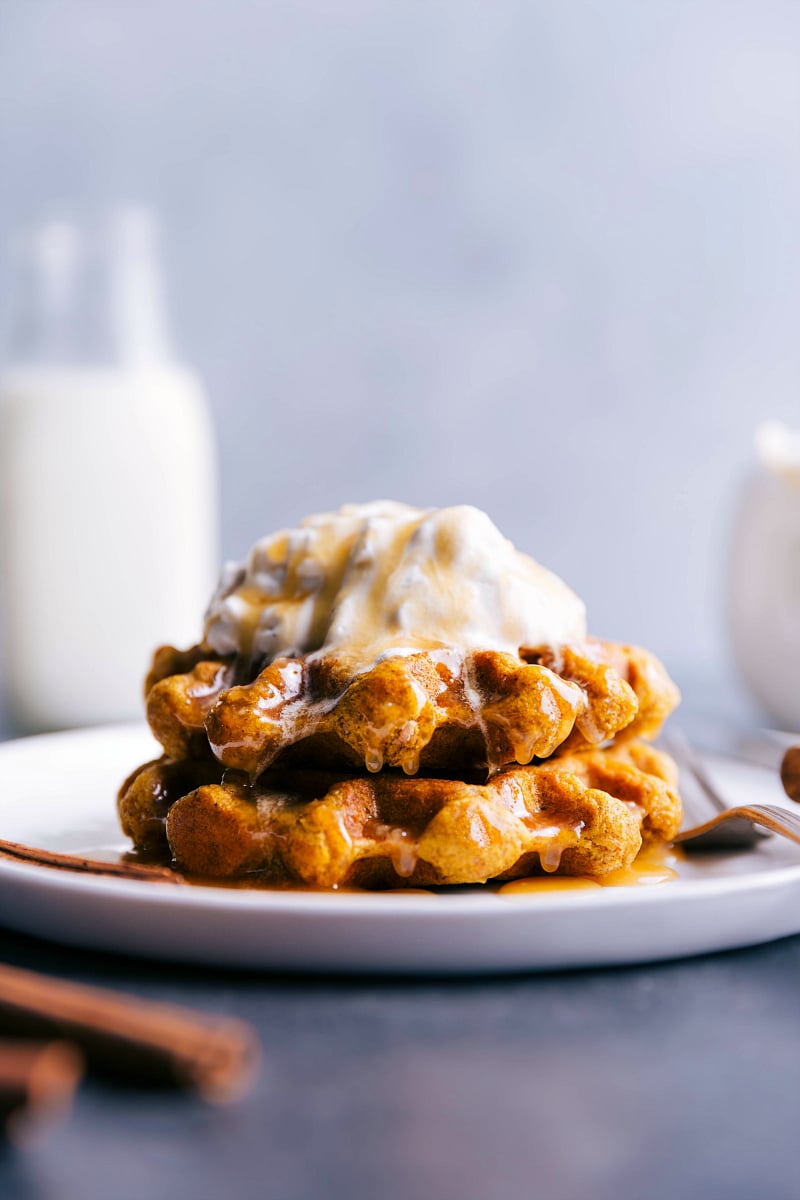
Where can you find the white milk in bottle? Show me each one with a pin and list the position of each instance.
(108, 480)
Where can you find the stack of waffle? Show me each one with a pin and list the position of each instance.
(428, 768)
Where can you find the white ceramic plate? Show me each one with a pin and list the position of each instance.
(58, 794)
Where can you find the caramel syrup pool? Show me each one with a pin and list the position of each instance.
(655, 864)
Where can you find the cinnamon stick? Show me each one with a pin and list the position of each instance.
(77, 862)
(790, 773)
(133, 1038)
(37, 1084)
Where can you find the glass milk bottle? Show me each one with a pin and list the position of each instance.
(108, 479)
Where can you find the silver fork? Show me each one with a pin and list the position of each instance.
(738, 828)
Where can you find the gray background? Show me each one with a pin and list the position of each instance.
(540, 257)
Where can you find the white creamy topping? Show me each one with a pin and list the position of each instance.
(376, 580)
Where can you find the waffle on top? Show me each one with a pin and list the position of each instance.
(429, 711)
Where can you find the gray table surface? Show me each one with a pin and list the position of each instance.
(672, 1080)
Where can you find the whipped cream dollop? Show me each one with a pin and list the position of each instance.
(381, 579)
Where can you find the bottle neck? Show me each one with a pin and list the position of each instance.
(45, 313)
(78, 301)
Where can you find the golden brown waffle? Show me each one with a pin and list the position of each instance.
(584, 813)
(433, 710)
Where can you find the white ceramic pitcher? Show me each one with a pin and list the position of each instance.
(764, 582)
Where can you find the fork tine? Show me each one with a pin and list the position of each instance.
(776, 819)
(788, 818)
(724, 830)
(696, 784)
(730, 828)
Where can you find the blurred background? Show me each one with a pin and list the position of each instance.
(539, 257)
